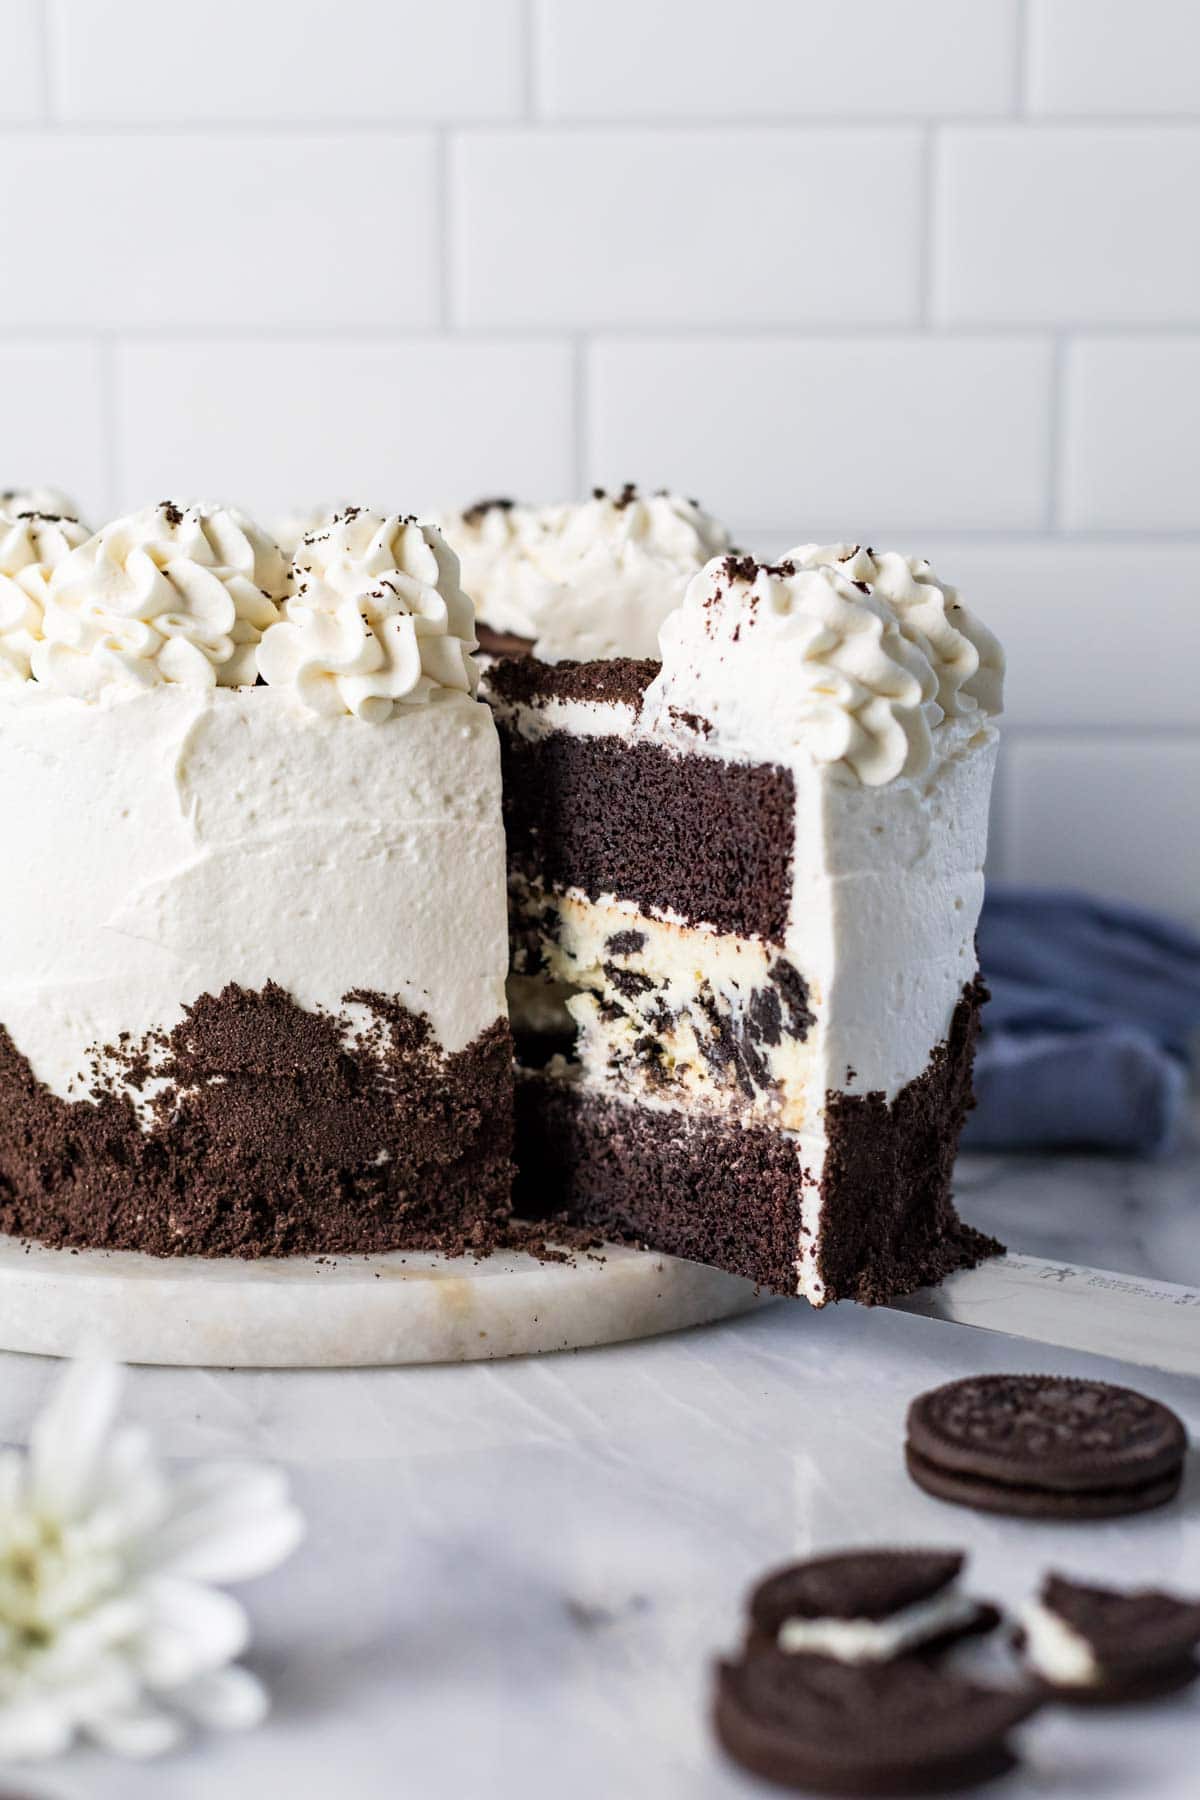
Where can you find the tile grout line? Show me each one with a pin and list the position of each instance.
(530, 27)
(580, 400)
(354, 332)
(929, 226)
(443, 224)
(106, 353)
(744, 125)
(1056, 435)
(1021, 62)
(44, 34)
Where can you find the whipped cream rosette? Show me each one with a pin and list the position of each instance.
(31, 548)
(377, 619)
(51, 502)
(964, 655)
(170, 594)
(582, 581)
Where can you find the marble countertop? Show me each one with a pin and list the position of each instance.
(517, 1574)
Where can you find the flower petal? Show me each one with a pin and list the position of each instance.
(229, 1699)
(188, 1631)
(138, 1732)
(34, 1729)
(67, 1441)
(226, 1524)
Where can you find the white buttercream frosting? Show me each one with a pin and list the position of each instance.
(583, 581)
(206, 835)
(49, 500)
(1055, 1651)
(172, 593)
(376, 619)
(878, 1640)
(852, 656)
(291, 528)
(31, 547)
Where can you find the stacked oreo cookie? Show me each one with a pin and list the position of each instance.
(1045, 1447)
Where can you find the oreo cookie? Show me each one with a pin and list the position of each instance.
(1101, 1646)
(863, 1606)
(902, 1727)
(1045, 1446)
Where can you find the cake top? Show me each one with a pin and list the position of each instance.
(376, 619)
(585, 580)
(853, 655)
(32, 545)
(172, 593)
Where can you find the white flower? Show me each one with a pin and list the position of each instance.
(108, 1624)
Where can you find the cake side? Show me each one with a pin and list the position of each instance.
(260, 1007)
(255, 1127)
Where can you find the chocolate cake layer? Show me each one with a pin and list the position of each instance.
(693, 1186)
(719, 1192)
(270, 1132)
(617, 680)
(707, 840)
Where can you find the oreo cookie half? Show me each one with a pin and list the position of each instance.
(1102, 1646)
(885, 1728)
(1045, 1446)
(865, 1606)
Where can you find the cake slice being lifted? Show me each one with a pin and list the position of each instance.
(744, 887)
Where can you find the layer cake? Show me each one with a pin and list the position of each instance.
(254, 951)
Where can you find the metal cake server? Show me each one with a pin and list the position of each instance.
(1152, 1323)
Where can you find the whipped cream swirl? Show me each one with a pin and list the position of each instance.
(965, 656)
(581, 581)
(377, 619)
(50, 501)
(31, 548)
(853, 657)
(169, 594)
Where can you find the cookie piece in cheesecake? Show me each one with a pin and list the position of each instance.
(1106, 1646)
(867, 1606)
(1045, 1446)
(831, 1727)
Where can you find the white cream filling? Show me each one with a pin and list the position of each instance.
(1055, 1651)
(878, 1640)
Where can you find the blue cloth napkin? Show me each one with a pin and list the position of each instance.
(1089, 1035)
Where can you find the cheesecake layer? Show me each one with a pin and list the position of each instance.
(674, 1014)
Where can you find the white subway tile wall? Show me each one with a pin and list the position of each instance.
(922, 270)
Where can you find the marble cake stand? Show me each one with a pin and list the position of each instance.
(348, 1311)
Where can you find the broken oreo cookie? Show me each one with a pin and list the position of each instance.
(1045, 1446)
(863, 1606)
(901, 1727)
(1102, 1646)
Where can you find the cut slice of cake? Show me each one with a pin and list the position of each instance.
(744, 887)
(585, 580)
(253, 942)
